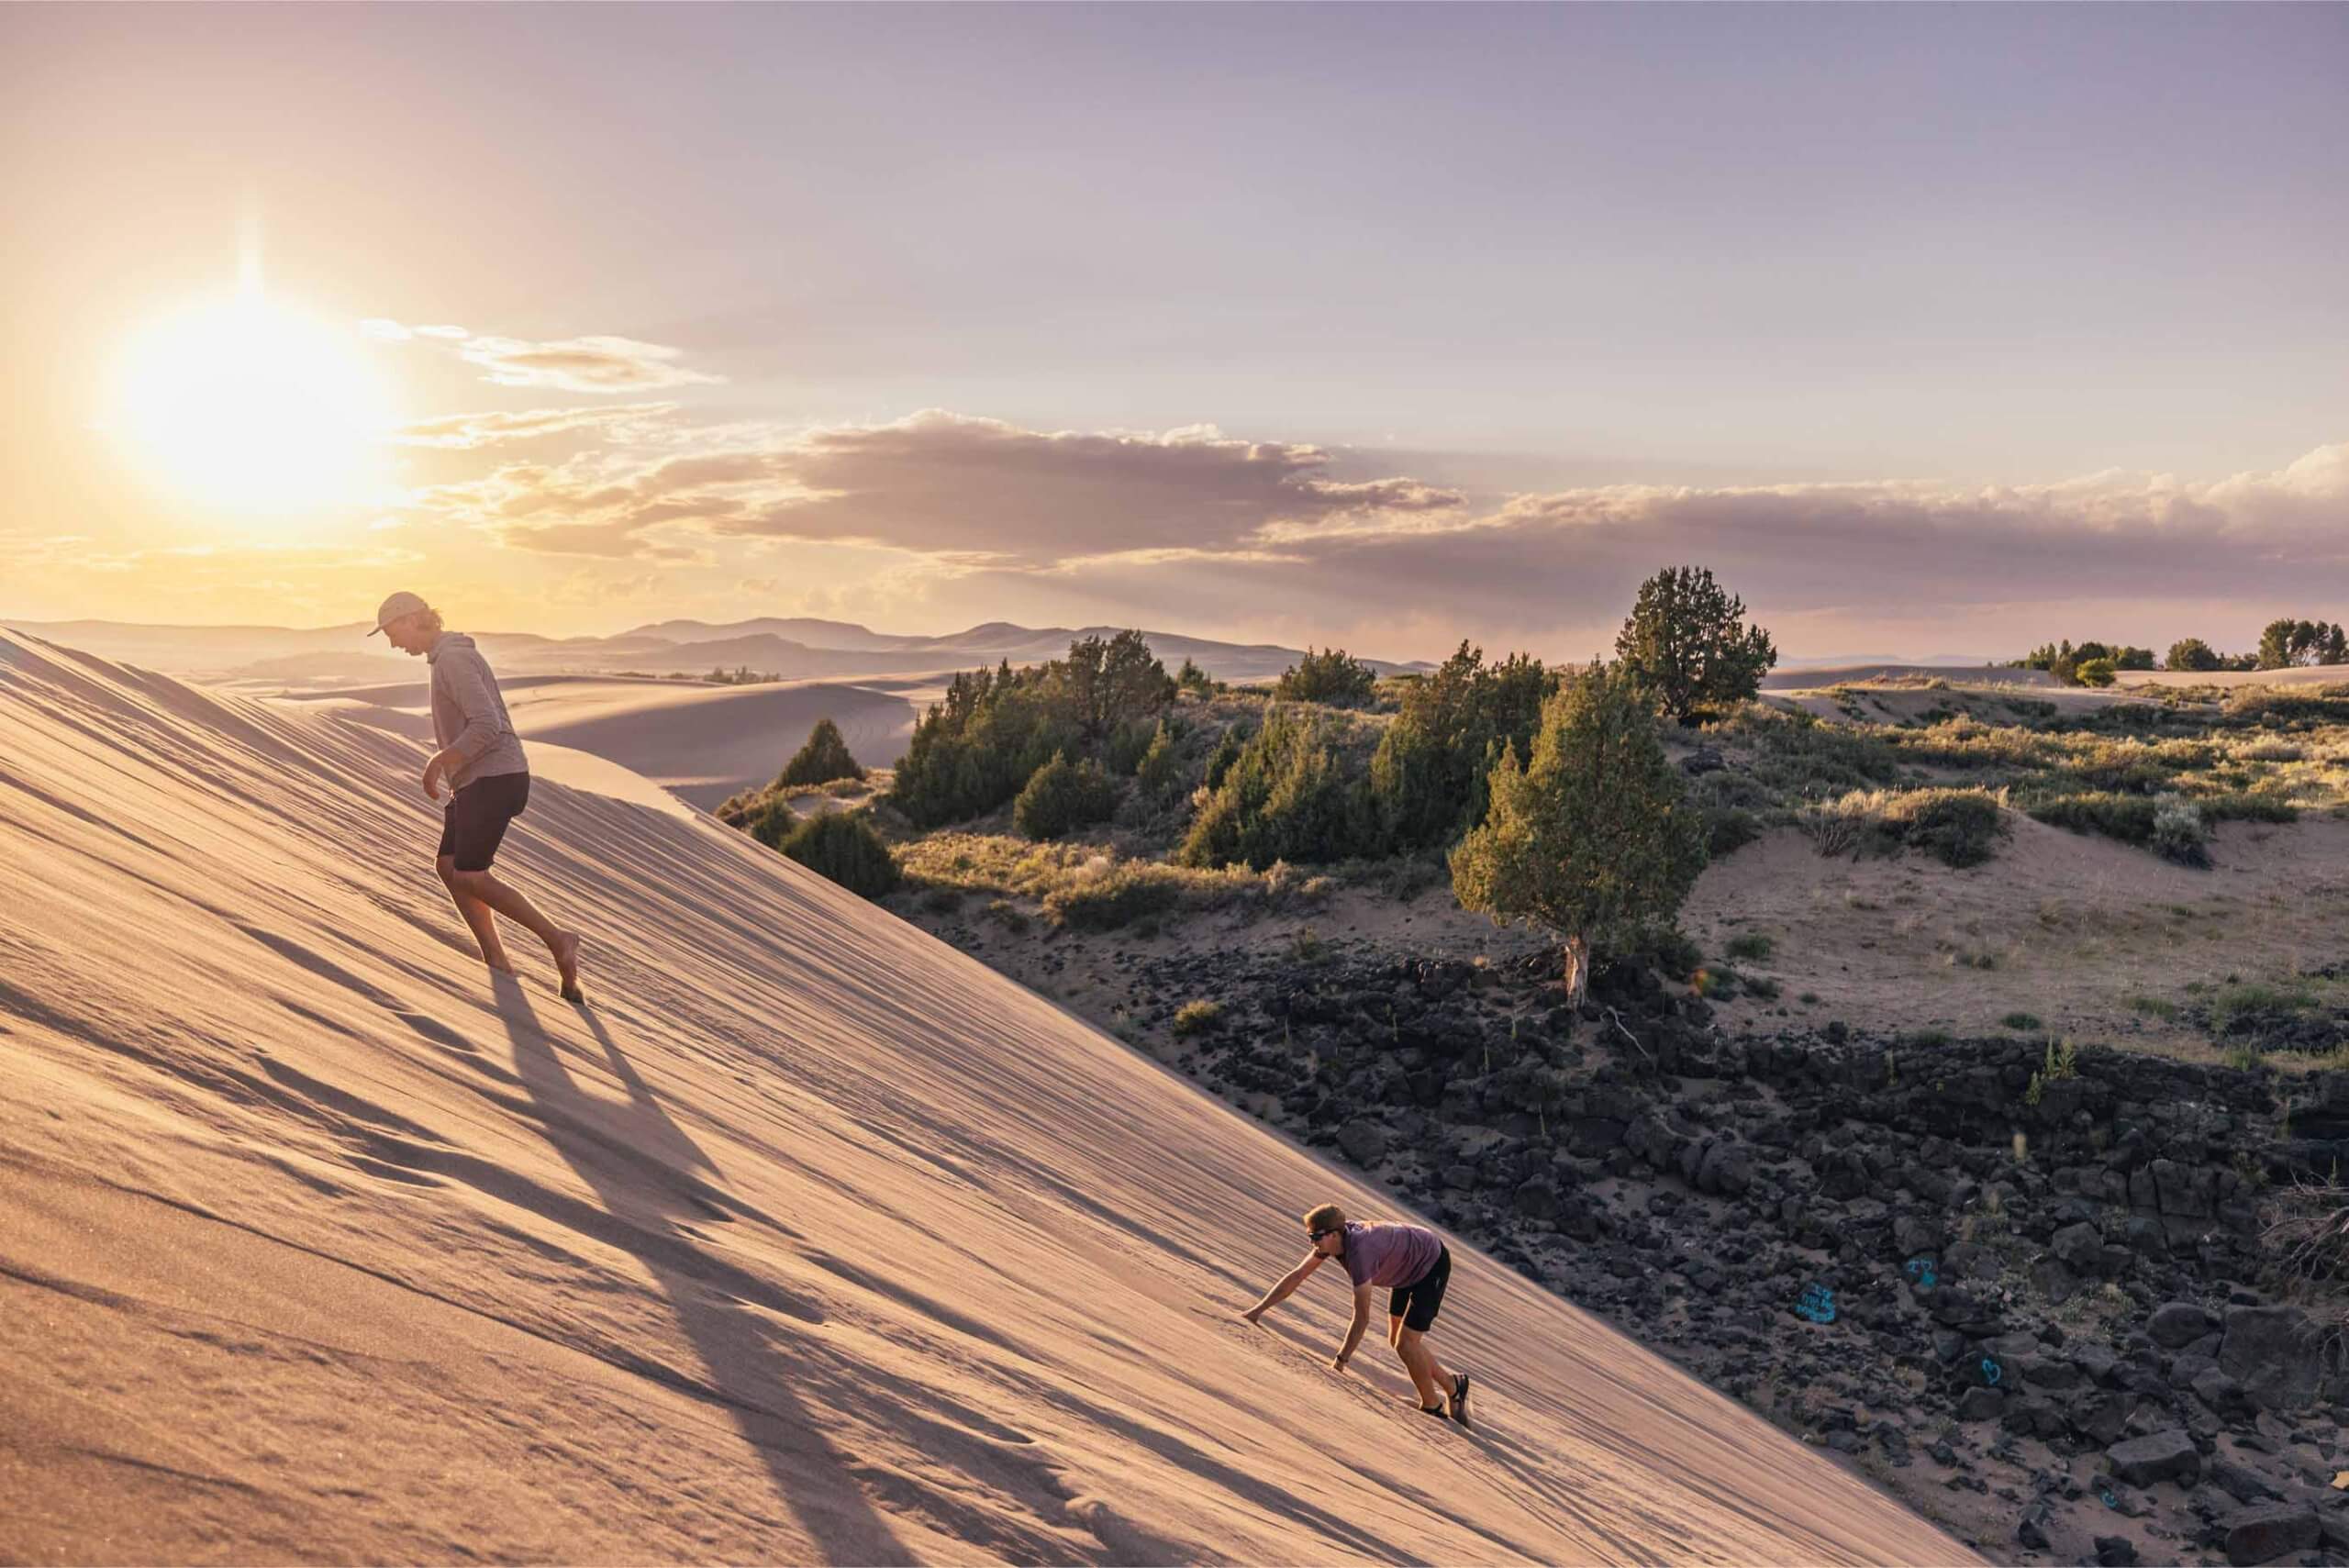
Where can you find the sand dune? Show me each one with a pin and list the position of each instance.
(703, 743)
(2304, 675)
(810, 1238)
(1818, 678)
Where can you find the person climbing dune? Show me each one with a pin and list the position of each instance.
(1414, 1264)
(481, 760)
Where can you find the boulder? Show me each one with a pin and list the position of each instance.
(1538, 1199)
(2158, 1456)
(1727, 1167)
(1363, 1141)
(2274, 1353)
(2081, 1248)
(1981, 1405)
(2262, 1534)
(2333, 1524)
(2239, 1481)
(2115, 1552)
(2222, 1394)
(2177, 1324)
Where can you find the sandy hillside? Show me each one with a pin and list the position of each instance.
(703, 741)
(2305, 675)
(809, 1238)
(1787, 678)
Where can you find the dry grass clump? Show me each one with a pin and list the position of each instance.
(1957, 827)
(1091, 888)
(1197, 1016)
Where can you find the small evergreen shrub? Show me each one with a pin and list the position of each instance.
(1329, 676)
(1226, 752)
(1127, 743)
(843, 846)
(761, 815)
(1160, 768)
(2022, 1023)
(1064, 796)
(1728, 830)
(1750, 945)
(1283, 798)
(824, 758)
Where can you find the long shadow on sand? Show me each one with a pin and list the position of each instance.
(634, 1158)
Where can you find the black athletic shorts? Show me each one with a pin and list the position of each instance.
(474, 822)
(1417, 1302)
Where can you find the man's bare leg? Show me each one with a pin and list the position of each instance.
(509, 902)
(1407, 1345)
(478, 917)
(1435, 1384)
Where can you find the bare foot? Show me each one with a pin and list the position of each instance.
(566, 964)
(500, 964)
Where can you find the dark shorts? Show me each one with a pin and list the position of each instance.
(1417, 1302)
(474, 822)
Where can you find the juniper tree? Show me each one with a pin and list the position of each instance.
(1687, 641)
(824, 758)
(1593, 836)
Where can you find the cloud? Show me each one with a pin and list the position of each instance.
(581, 364)
(390, 331)
(1191, 525)
(1555, 569)
(945, 487)
(466, 431)
(942, 481)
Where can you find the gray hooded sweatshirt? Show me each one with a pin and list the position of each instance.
(468, 714)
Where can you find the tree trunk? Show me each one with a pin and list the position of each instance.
(1577, 969)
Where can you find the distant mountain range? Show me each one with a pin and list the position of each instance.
(791, 647)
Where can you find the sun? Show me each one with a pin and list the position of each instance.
(246, 405)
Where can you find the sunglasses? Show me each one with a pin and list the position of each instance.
(1315, 1236)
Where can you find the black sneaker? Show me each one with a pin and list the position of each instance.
(1460, 1397)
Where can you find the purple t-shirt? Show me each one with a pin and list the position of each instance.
(1389, 1255)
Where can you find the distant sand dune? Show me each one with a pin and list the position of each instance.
(705, 742)
(810, 1239)
(1814, 679)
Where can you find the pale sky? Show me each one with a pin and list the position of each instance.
(1932, 329)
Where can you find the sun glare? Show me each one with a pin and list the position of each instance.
(251, 407)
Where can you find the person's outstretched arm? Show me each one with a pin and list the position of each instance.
(1353, 1334)
(1283, 1291)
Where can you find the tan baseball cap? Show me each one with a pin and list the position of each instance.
(400, 604)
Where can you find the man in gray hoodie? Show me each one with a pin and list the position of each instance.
(481, 760)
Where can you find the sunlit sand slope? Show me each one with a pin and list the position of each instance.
(809, 1239)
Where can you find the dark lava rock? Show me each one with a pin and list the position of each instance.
(2081, 1247)
(2273, 1352)
(1364, 1142)
(2158, 1456)
(1980, 1405)
(2222, 1394)
(2115, 1552)
(2177, 1324)
(2268, 1531)
(2240, 1482)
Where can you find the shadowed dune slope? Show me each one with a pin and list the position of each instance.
(809, 1238)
